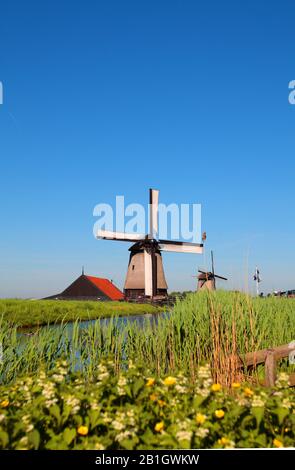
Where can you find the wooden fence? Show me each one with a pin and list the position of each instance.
(269, 357)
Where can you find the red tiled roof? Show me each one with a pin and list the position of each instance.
(107, 287)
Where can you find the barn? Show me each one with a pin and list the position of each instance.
(89, 288)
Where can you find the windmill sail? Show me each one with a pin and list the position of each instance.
(180, 247)
(256, 276)
(122, 236)
(154, 208)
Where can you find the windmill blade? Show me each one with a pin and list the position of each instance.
(180, 247)
(221, 277)
(154, 207)
(122, 236)
(148, 274)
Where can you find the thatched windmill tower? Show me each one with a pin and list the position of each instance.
(145, 276)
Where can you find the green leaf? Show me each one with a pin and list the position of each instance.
(69, 435)
(198, 400)
(261, 440)
(34, 438)
(129, 444)
(258, 413)
(4, 438)
(137, 386)
(55, 412)
(281, 414)
(94, 418)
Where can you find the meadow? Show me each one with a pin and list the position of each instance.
(26, 313)
(170, 382)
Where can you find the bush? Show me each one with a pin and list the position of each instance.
(132, 410)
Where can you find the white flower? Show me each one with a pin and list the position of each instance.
(257, 402)
(49, 403)
(24, 441)
(202, 432)
(118, 425)
(282, 380)
(184, 435)
(58, 378)
(122, 435)
(26, 419)
(106, 419)
(94, 405)
(286, 403)
(122, 381)
(102, 373)
(204, 372)
(99, 446)
(204, 392)
(2, 417)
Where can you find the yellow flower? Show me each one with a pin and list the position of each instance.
(153, 397)
(150, 382)
(236, 385)
(277, 443)
(170, 381)
(216, 387)
(224, 441)
(4, 404)
(286, 429)
(219, 414)
(82, 430)
(159, 426)
(200, 418)
(248, 392)
(161, 403)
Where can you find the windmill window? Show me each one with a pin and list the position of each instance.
(133, 266)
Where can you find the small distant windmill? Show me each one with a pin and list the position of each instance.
(257, 279)
(145, 275)
(207, 279)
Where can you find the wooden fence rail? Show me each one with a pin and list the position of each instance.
(269, 358)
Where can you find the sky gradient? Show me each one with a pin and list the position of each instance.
(106, 98)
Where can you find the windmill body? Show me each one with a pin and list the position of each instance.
(138, 281)
(206, 281)
(145, 275)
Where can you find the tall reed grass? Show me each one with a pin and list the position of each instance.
(204, 328)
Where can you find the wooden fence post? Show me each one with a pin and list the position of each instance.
(270, 369)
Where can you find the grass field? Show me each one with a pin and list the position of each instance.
(42, 312)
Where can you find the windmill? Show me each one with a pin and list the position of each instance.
(207, 280)
(257, 279)
(145, 275)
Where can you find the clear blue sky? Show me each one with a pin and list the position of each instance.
(113, 97)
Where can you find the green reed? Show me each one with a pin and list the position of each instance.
(205, 327)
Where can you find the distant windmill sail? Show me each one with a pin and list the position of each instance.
(256, 276)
